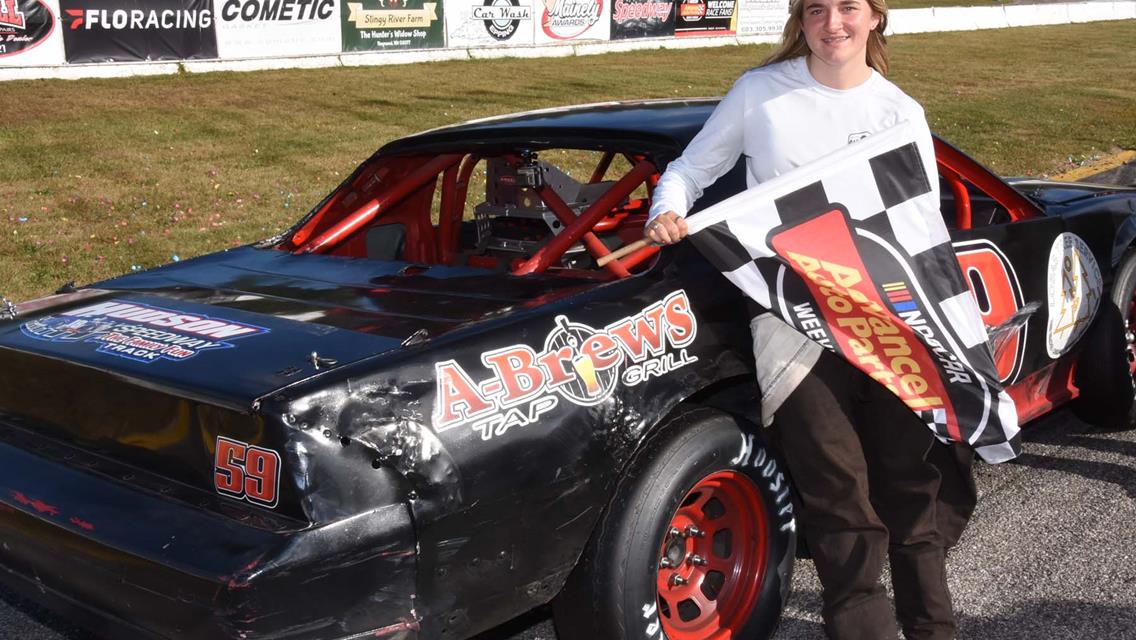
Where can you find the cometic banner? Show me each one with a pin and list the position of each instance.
(25, 25)
(270, 28)
(481, 23)
(116, 30)
(563, 20)
(762, 17)
(706, 18)
(642, 19)
(381, 25)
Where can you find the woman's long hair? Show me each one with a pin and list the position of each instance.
(793, 45)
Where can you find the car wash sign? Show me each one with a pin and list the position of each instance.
(139, 332)
(267, 28)
(577, 364)
(117, 30)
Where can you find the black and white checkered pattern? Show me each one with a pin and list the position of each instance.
(882, 186)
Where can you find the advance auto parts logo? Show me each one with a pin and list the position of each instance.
(139, 332)
(567, 19)
(578, 363)
(502, 18)
(23, 25)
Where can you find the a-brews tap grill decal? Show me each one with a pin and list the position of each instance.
(578, 363)
(140, 332)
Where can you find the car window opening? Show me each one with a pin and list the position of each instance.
(525, 211)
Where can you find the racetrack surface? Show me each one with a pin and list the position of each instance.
(1050, 553)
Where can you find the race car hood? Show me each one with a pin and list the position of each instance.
(233, 327)
(1053, 192)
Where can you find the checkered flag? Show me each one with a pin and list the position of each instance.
(851, 250)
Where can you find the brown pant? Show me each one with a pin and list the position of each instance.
(872, 480)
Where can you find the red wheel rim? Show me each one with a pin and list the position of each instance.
(712, 559)
(1130, 335)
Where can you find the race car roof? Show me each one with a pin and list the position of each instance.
(669, 124)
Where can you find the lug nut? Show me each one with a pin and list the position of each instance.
(677, 580)
(694, 532)
(666, 563)
(675, 533)
(696, 560)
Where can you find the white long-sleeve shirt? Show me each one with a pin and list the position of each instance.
(780, 118)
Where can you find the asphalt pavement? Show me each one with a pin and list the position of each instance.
(1050, 553)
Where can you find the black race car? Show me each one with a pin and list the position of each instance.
(424, 409)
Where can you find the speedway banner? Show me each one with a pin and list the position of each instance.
(852, 251)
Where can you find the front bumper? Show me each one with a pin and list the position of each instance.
(133, 554)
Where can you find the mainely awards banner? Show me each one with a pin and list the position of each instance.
(482, 23)
(380, 25)
(117, 30)
(271, 28)
(564, 20)
(29, 33)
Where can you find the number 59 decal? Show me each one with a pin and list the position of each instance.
(247, 472)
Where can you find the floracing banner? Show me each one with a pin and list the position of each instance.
(29, 33)
(269, 28)
(378, 25)
(642, 19)
(851, 250)
(117, 30)
(563, 20)
(706, 18)
(478, 23)
(762, 17)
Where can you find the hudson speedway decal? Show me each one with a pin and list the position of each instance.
(578, 363)
(139, 332)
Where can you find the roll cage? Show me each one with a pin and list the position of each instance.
(536, 218)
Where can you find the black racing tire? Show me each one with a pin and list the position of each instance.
(1107, 361)
(704, 469)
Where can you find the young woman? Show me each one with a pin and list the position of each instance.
(872, 480)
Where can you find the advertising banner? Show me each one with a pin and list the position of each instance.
(29, 33)
(762, 17)
(117, 30)
(568, 20)
(271, 28)
(479, 23)
(706, 18)
(642, 19)
(382, 25)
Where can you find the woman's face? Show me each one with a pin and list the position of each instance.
(837, 30)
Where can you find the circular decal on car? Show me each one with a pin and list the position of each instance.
(1074, 284)
(591, 385)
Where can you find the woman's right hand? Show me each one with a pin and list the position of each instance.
(667, 228)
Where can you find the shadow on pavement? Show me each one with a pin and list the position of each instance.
(1052, 620)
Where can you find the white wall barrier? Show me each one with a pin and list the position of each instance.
(68, 39)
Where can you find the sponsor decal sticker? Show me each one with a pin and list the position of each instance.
(1075, 286)
(998, 294)
(140, 332)
(24, 24)
(247, 472)
(502, 18)
(578, 364)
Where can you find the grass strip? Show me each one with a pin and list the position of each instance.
(103, 176)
